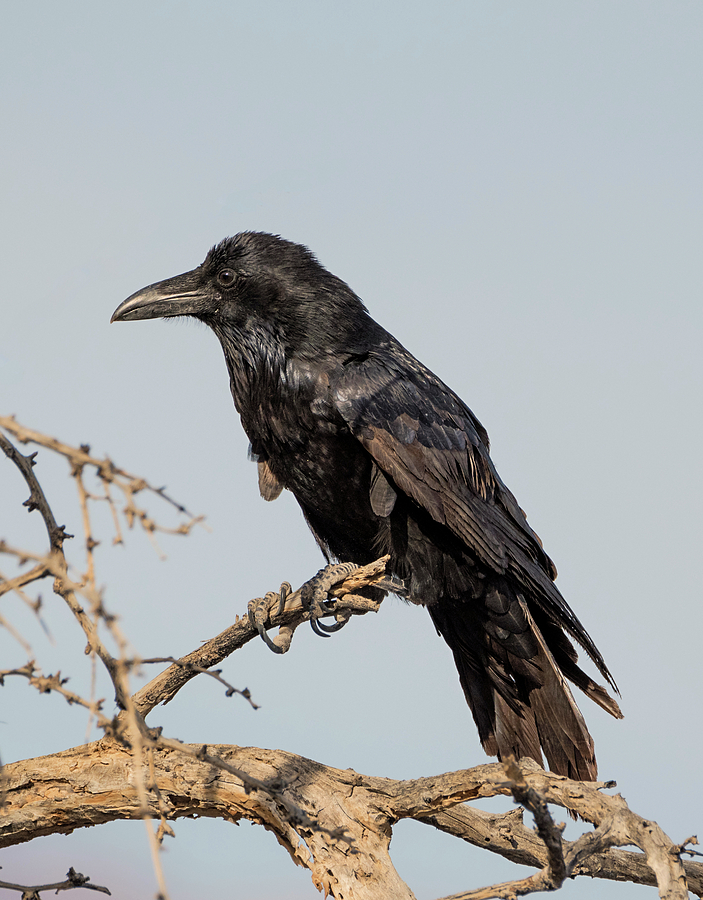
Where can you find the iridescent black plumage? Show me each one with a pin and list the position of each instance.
(384, 458)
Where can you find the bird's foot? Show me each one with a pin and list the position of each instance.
(260, 612)
(315, 597)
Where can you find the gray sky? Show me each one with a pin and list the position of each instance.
(514, 189)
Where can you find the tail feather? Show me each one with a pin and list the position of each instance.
(516, 734)
(567, 743)
(515, 684)
(566, 660)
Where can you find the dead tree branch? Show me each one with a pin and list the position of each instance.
(336, 823)
(344, 835)
(106, 470)
(164, 687)
(82, 595)
(73, 880)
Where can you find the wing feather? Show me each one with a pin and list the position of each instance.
(430, 446)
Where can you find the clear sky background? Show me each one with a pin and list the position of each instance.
(514, 189)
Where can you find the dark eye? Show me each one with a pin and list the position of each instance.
(226, 277)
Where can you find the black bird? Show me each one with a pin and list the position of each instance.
(384, 458)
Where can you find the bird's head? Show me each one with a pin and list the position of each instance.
(257, 286)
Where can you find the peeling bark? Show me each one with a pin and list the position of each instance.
(352, 815)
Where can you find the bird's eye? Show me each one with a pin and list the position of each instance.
(225, 277)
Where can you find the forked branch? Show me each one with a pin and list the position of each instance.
(336, 823)
(343, 832)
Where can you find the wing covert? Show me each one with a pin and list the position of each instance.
(430, 446)
(433, 449)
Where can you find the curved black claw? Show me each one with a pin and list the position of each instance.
(326, 630)
(315, 596)
(283, 595)
(260, 610)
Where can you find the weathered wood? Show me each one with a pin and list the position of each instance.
(164, 687)
(347, 852)
(344, 830)
(336, 823)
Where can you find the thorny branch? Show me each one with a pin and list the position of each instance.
(194, 669)
(45, 684)
(73, 880)
(129, 728)
(164, 687)
(131, 774)
(76, 591)
(107, 471)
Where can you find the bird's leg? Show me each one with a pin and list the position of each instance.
(315, 597)
(260, 611)
(392, 585)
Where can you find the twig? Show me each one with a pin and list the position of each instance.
(73, 880)
(198, 670)
(45, 684)
(80, 456)
(18, 582)
(164, 687)
(37, 499)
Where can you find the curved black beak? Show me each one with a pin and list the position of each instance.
(179, 296)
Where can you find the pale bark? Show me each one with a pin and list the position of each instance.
(343, 831)
(336, 823)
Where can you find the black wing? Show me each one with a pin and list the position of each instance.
(432, 447)
(509, 648)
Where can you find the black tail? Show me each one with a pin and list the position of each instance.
(512, 671)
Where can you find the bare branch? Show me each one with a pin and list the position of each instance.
(616, 824)
(37, 499)
(198, 670)
(73, 880)
(552, 876)
(130, 728)
(337, 824)
(166, 685)
(345, 820)
(19, 581)
(45, 684)
(80, 456)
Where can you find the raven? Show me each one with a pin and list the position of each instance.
(383, 458)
